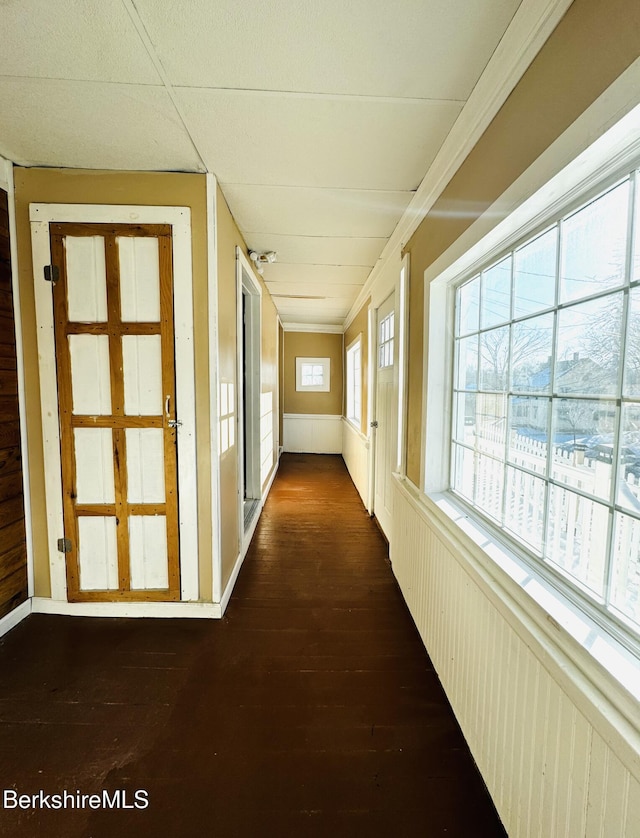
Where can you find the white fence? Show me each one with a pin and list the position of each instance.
(575, 534)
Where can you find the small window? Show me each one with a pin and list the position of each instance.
(354, 383)
(313, 375)
(385, 341)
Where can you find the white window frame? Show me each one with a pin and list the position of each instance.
(353, 384)
(325, 363)
(607, 641)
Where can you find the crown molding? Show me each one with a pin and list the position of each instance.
(321, 328)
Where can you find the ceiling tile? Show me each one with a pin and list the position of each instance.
(73, 39)
(318, 250)
(315, 212)
(410, 48)
(294, 139)
(92, 125)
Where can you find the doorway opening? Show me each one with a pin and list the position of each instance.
(249, 337)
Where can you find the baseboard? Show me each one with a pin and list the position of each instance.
(12, 619)
(195, 610)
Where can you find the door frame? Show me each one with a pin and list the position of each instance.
(249, 287)
(41, 216)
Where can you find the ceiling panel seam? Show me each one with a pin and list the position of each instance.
(141, 29)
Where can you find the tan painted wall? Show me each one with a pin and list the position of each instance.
(229, 237)
(95, 187)
(593, 44)
(312, 345)
(359, 326)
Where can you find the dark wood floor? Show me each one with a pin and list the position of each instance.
(311, 709)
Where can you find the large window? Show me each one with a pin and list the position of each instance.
(354, 383)
(546, 397)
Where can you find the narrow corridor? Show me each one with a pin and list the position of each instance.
(311, 709)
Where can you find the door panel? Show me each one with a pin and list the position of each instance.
(385, 413)
(116, 385)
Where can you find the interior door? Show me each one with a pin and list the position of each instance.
(385, 422)
(114, 336)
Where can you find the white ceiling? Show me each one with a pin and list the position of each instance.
(319, 120)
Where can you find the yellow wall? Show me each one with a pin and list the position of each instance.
(229, 237)
(359, 326)
(65, 186)
(312, 345)
(592, 45)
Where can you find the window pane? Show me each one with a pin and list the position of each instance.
(594, 245)
(535, 275)
(632, 346)
(524, 511)
(583, 450)
(625, 593)
(494, 359)
(489, 484)
(467, 363)
(496, 294)
(464, 427)
(528, 423)
(588, 356)
(464, 471)
(491, 423)
(531, 355)
(468, 307)
(628, 494)
(577, 536)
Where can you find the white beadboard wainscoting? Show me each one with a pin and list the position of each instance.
(557, 744)
(312, 433)
(355, 453)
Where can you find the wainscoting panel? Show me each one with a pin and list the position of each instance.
(306, 433)
(551, 768)
(355, 453)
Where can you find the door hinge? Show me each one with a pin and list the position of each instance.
(64, 545)
(52, 273)
(374, 424)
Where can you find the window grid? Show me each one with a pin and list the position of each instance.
(520, 352)
(385, 341)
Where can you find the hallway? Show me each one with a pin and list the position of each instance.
(311, 709)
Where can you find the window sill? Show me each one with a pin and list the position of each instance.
(602, 677)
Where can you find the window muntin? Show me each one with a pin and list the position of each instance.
(354, 383)
(545, 437)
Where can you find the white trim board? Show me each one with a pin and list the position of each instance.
(195, 610)
(14, 617)
(42, 215)
(214, 383)
(320, 328)
(17, 310)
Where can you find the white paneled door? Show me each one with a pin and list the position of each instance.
(114, 336)
(386, 413)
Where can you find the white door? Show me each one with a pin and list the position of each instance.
(385, 413)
